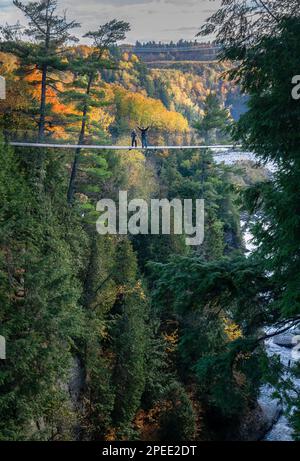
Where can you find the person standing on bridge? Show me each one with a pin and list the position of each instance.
(144, 133)
(133, 138)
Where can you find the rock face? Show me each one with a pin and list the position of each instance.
(75, 388)
(258, 422)
(255, 423)
(284, 340)
(76, 381)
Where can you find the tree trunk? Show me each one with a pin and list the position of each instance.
(41, 126)
(71, 189)
(43, 103)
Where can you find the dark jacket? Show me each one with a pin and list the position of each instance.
(144, 131)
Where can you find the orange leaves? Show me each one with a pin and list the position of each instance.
(52, 95)
(147, 422)
(130, 105)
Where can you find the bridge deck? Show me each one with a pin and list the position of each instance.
(93, 146)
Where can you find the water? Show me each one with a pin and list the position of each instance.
(281, 429)
(234, 156)
(231, 157)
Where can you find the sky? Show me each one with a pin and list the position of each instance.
(157, 20)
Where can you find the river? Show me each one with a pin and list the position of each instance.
(281, 429)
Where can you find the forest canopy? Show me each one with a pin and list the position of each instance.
(123, 337)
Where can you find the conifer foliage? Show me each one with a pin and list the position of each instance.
(116, 337)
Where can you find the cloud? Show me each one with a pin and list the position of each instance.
(123, 2)
(4, 4)
(183, 29)
(163, 20)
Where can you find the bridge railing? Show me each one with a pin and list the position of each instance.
(214, 50)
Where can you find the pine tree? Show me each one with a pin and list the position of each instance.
(215, 120)
(266, 60)
(40, 313)
(178, 421)
(88, 70)
(270, 128)
(131, 338)
(39, 47)
(202, 295)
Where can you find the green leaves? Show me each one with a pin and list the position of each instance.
(40, 312)
(109, 34)
(270, 128)
(215, 121)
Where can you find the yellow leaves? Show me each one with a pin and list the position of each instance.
(137, 289)
(111, 435)
(125, 65)
(139, 109)
(82, 51)
(102, 118)
(171, 340)
(131, 108)
(140, 290)
(189, 87)
(134, 58)
(137, 173)
(232, 330)
(8, 62)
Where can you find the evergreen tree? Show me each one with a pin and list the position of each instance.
(269, 128)
(88, 70)
(131, 336)
(178, 422)
(40, 313)
(39, 47)
(215, 120)
(242, 23)
(205, 298)
(266, 60)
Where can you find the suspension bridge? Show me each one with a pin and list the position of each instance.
(227, 153)
(220, 147)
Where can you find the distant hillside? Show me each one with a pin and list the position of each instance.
(189, 83)
(182, 51)
(182, 86)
